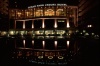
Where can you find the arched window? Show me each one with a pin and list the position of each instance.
(60, 12)
(39, 12)
(49, 12)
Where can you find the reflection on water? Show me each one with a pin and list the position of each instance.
(50, 51)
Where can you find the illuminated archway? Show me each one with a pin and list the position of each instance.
(49, 12)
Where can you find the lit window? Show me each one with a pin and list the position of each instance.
(49, 12)
(89, 25)
(84, 31)
(92, 33)
(19, 14)
(40, 32)
(20, 32)
(11, 32)
(3, 33)
(49, 32)
(60, 31)
(40, 57)
(30, 32)
(60, 12)
(39, 12)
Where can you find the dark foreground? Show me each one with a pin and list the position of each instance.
(88, 55)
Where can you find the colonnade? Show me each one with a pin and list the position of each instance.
(43, 23)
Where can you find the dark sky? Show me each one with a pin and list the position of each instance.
(26, 3)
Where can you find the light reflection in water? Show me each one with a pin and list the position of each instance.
(72, 49)
(68, 44)
(24, 43)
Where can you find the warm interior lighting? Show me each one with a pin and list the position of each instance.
(58, 12)
(19, 14)
(39, 12)
(11, 32)
(27, 13)
(40, 57)
(49, 12)
(3, 33)
(49, 32)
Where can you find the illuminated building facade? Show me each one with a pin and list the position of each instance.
(43, 21)
(43, 33)
(47, 34)
(42, 12)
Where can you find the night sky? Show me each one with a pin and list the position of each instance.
(26, 3)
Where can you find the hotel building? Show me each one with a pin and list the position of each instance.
(50, 33)
(43, 33)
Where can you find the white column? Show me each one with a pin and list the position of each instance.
(23, 24)
(68, 23)
(43, 44)
(68, 42)
(55, 44)
(24, 43)
(32, 24)
(33, 43)
(43, 25)
(55, 25)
